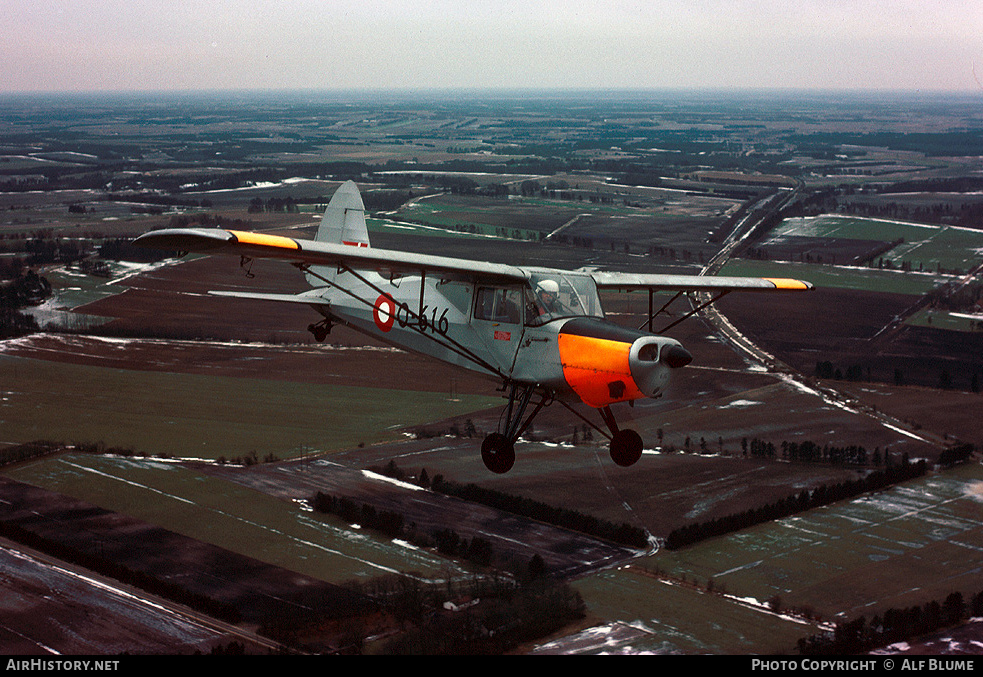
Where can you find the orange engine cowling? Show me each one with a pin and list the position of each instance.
(604, 363)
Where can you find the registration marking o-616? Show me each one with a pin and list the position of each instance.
(435, 323)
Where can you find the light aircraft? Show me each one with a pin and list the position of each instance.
(541, 331)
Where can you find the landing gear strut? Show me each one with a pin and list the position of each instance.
(498, 448)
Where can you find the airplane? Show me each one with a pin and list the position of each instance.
(541, 331)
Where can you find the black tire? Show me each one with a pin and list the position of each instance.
(626, 447)
(497, 453)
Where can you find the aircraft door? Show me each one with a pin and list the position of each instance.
(498, 322)
(538, 360)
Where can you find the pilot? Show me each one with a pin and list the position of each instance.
(548, 291)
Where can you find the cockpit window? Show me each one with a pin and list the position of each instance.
(551, 296)
(497, 305)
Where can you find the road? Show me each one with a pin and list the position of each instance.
(762, 209)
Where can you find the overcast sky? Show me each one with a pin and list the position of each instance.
(91, 45)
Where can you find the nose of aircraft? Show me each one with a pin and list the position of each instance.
(675, 356)
(652, 358)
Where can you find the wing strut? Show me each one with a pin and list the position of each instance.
(585, 419)
(688, 315)
(652, 316)
(447, 342)
(626, 444)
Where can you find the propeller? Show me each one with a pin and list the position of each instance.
(651, 359)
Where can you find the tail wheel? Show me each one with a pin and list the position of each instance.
(320, 330)
(497, 453)
(626, 447)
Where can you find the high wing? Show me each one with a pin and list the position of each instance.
(314, 253)
(693, 283)
(706, 285)
(395, 263)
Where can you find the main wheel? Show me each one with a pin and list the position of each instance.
(497, 453)
(626, 447)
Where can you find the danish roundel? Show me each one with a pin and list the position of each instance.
(384, 312)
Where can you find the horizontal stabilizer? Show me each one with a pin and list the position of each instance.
(305, 298)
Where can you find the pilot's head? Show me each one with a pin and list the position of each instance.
(548, 290)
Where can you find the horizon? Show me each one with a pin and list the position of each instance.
(530, 92)
(442, 45)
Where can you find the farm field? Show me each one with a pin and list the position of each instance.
(924, 247)
(639, 613)
(229, 515)
(210, 399)
(898, 548)
(115, 622)
(680, 222)
(826, 562)
(206, 416)
(941, 319)
(884, 546)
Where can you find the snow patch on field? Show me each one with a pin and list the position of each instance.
(740, 404)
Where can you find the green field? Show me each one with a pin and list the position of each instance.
(941, 319)
(925, 247)
(195, 416)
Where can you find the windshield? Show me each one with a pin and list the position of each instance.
(553, 295)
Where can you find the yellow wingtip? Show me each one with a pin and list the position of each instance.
(788, 283)
(245, 237)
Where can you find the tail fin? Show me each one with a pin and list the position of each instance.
(343, 223)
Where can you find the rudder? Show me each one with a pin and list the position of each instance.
(343, 223)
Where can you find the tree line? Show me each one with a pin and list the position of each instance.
(793, 504)
(105, 566)
(622, 534)
(894, 625)
(393, 525)
(808, 451)
(826, 369)
(27, 451)
(503, 617)
(27, 289)
(43, 249)
(486, 614)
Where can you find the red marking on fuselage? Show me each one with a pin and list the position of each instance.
(384, 312)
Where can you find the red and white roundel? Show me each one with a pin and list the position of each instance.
(384, 312)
